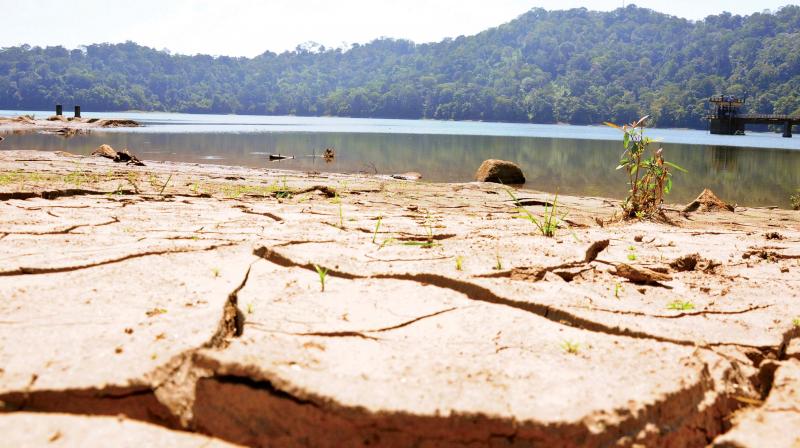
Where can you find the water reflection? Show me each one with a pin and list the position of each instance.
(743, 175)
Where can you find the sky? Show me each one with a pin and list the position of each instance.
(250, 27)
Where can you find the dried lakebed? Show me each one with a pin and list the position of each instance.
(185, 299)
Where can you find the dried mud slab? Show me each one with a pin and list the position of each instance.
(776, 423)
(30, 430)
(188, 296)
(396, 363)
(105, 340)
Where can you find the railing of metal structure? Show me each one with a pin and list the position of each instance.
(770, 117)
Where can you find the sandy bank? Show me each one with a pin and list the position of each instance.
(188, 296)
(62, 125)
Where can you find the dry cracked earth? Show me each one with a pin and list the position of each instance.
(181, 305)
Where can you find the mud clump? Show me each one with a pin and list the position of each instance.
(707, 201)
(692, 262)
(123, 156)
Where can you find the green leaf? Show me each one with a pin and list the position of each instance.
(676, 167)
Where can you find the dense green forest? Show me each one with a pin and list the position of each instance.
(575, 66)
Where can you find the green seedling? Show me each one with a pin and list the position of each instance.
(459, 263)
(617, 289)
(322, 272)
(547, 224)
(498, 266)
(387, 242)
(680, 305)
(570, 347)
(338, 200)
(250, 308)
(377, 227)
(215, 272)
(422, 244)
(164, 187)
(796, 322)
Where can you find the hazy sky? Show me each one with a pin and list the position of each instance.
(249, 27)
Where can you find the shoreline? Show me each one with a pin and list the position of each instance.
(62, 125)
(441, 317)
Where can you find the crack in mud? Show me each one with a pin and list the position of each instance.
(232, 322)
(66, 230)
(55, 194)
(357, 333)
(479, 293)
(676, 315)
(250, 211)
(37, 271)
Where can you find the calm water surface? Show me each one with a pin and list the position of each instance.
(757, 169)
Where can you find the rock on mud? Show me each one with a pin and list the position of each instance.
(500, 171)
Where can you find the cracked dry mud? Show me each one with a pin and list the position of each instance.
(179, 304)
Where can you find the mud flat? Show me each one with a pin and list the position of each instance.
(181, 298)
(66, 126)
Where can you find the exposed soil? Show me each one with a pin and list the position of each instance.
(60, 125)
(188, 297)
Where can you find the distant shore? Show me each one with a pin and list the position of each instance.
(59, 124)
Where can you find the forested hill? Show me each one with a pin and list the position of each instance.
(573, 66)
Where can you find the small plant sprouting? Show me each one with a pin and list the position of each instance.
(796, 322)
(547, 224)
(795, 200)
(571, 347)
(649, 178)
(459, 263)
(680, 305)
(215, 272)
(498, 266)
(164, 187)
(617, 289)
(322, 272)
(377, 227)
(250, 308)
(338, 200)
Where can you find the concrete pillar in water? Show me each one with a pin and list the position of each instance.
(787, 129)
(59, 110)
(77, 111)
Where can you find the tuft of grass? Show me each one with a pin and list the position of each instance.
(796, 322)
(680, 305)
(570, 347)
(322, 272)
(547, 224)
(250, 308)
(459, 263)
(215, 272)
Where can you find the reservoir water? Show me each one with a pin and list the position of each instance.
(759, 169)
